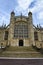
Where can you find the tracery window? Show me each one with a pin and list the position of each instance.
(21, 30)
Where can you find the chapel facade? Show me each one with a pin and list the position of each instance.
(21, 32)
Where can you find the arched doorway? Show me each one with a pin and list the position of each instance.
(20, 42)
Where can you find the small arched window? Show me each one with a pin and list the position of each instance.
(6, 35)
(35, 35)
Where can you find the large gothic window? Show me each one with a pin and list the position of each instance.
(21, 30)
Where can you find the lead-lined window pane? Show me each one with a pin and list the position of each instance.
(21, 30)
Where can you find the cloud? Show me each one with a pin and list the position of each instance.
(23, 6)
(40, 15)
(37, 11)
(32, 4)
(35, 6)
(6, 6)
(38, 6)
(4, 17)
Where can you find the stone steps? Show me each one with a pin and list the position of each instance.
(21, 52)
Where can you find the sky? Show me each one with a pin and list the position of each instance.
(21, 6)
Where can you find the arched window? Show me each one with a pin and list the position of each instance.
(35, 35)
(21, 30)
(6, 35)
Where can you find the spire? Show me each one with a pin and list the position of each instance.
(30, 13)
(21, 15)
(12, 16)
(12, 13)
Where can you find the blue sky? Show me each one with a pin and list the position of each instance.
(21, 6)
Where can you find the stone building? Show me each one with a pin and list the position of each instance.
(21, 32)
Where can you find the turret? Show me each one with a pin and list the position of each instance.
(11, 27)
(12, 16)
(30, 15)
(12, 13)
(31, 30)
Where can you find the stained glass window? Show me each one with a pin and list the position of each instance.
(21, 30)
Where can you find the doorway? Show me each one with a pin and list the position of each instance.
(20, 42)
